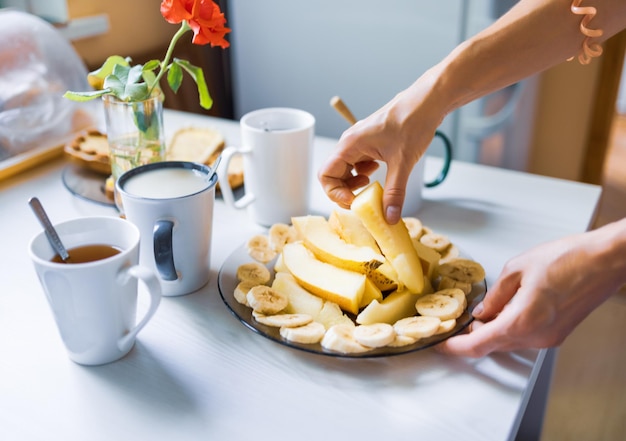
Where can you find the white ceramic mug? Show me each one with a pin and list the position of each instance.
(172, 204)
(413, 198)
(277, 149)
(95, 303)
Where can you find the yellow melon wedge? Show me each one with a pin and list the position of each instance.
(396, 306)
(350, 228)
(325, 243)
(394, 240)
(323, 279)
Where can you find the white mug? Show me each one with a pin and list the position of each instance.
(413, 198)
(277, 149)
(95, 303)
(172, 204)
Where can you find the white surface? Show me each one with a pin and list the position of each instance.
(198, 373)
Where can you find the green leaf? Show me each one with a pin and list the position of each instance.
(96, 77)
(196, 73)
(150, 78)
(85, 96)
(175, 77)
(151, 65)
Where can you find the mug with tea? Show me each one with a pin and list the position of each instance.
(93, 294)
(277, 149)
(171, 202)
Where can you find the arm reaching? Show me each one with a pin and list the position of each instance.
(533, 36)
(543, 294)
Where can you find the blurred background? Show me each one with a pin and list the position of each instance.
(300, 54)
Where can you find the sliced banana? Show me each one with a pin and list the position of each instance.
(340, 338)
(375, 335)
(259, 248)
(437, 242)
(241, 291)
(266, 300)
(417, 326)
(451, 253)
(307, 334)
(442, 306)
(463, 270)
(254, 272)
(446, 283)
(456, 293)
(402, 340)
(446, 326)
(415, 227)
(282, 320)
(280, 234)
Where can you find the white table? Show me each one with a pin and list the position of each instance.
(197, 373)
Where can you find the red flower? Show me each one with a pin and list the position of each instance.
(203, 16)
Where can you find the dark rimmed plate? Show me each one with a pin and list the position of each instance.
(227, 281)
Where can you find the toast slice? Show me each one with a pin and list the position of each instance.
(203, 145)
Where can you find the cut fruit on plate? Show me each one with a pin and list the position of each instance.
(227, 282)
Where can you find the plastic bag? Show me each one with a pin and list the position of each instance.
(37, 66)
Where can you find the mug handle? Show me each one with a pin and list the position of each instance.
(163, 249)
(222, 175)
(446, 161)
(154, 289)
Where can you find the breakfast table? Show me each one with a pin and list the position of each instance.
(196, 372)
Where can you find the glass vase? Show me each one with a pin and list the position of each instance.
(134, 132)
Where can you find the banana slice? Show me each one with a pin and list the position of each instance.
(451, 253)
(463, 270)
(280, 234)
(340, 338)
(266, 300)
(415, 227)
(437, 242)
(456, 293)
(282, 320)
(241, 291)
(375, 335)
(417, 327)
(253, 272)
(446, 283)
(259, 248)
(446, 326)
(438, 305)
(307, 334)
(401, 340)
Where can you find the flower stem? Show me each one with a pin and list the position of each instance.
(184, 27)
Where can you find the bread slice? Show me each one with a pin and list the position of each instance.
(197, 144)
(91, 150)
(204, 145)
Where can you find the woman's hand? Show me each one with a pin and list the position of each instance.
(397, 134)
(543, 294)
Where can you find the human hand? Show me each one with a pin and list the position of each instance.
(397, 134)
(542, 295)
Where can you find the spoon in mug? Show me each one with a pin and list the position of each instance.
(214, 168)
(51, 233)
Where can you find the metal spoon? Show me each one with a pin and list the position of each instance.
(214, 168)
(51, 233)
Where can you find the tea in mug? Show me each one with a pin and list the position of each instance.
(88, 253)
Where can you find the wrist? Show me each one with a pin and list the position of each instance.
(610, 243)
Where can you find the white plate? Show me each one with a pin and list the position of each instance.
(227, 281)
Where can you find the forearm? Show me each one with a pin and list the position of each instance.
(609, 249)
(533, 36)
